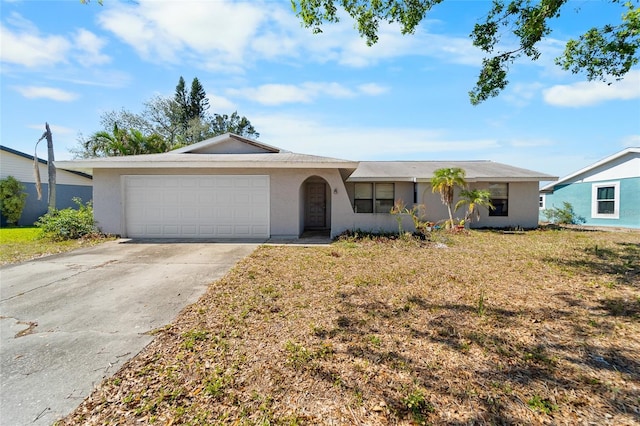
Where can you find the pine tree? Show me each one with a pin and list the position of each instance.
(198, 101)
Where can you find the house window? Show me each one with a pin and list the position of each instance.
(363, 199)
(373, 197)
(384, 197)
(499, 199)
(605, 200)
(541, 202)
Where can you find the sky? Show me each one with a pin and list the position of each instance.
(405, 98)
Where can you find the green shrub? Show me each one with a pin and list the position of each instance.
(69, 224)
(12, 199)
(564, 215)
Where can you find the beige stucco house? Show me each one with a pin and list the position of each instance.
(233, 187)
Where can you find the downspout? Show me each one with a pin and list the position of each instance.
(415, 190)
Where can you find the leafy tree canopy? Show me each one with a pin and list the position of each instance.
(165, 123)
(602, 53)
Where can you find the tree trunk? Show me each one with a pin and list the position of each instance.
(51, 168)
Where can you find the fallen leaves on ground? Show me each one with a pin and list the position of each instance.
(478, 328)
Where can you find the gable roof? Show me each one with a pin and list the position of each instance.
(41, 161)
(209, 145)
(603, 162)
(422, 171)
(256, 156)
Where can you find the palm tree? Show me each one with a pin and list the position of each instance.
(474, 199)
(445, 181)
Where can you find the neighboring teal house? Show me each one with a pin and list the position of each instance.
(606, 193)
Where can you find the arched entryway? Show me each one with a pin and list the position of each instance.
(316, 205)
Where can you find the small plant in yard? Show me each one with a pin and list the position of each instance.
(418, 405)
(216, 383)
(563, 215)
(473, 199)
(12, 199)
(297, 355)
(69, 224)
(193, 336)
(481, 308)
(545, 406)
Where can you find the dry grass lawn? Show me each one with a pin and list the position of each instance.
(478, 328)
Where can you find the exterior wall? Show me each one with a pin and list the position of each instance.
(68, 186)
(579, 195)
(286, 197)
(523, 206)
(287, 201)
(627, 166)
(22, 169)
(379, 222)
(35, 208)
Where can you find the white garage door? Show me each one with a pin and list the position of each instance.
(196, 206)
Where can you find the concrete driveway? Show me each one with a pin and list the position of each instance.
(70, 320)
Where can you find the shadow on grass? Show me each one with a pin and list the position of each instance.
(621, 263)
(540, 365)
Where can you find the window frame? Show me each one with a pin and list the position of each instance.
(595, 202)
(376, 208)
(356, 200)
(542, 201)
(499, 212)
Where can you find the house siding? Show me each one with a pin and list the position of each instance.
(35, 208)
(579, 195)
(68, 186)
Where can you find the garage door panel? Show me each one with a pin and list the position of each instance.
(197, 206)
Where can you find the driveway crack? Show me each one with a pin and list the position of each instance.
(60, 280)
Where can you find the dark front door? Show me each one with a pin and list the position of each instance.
(315, 211)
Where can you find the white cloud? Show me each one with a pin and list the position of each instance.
(31, 49)
(372, 89)
(631, 141)
(24, 45)
(163, 30)
(229, 36)
(595, 92)
(34, 92)
(521, 94)
(304, 135)
(89, 48)
(277, 94)
(221, 104)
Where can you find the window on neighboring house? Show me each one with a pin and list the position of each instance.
(373, 197)
(541, 202)
(605, 200)
(499, 199)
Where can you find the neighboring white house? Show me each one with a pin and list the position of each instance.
(69, 184)
(233, 187)
(606, 193)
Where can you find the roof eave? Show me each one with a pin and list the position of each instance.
(549, 188)
(92, 165)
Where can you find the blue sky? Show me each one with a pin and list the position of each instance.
(328, 94)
